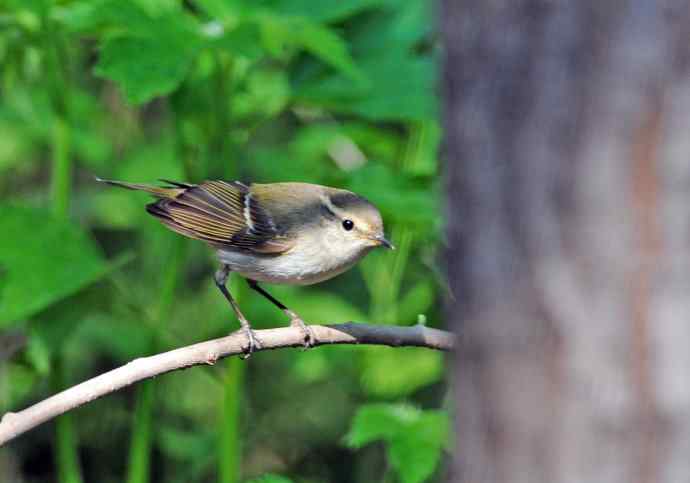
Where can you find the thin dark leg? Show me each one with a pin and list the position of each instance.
(295, 320)
(221, 278)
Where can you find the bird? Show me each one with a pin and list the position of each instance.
(278, 233)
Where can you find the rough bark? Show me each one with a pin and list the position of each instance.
(568, 174)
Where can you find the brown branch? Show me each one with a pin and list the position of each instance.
(14, 424)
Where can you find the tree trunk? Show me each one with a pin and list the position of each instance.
(568, 178)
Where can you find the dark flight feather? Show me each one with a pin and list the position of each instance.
(223, 214)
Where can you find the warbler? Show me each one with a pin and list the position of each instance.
(284, 233)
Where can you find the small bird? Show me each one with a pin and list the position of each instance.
(289, 233)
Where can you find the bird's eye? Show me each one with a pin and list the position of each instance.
(348, 225)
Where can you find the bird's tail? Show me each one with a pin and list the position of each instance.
(157, 191)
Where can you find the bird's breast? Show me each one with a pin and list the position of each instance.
(305, 264)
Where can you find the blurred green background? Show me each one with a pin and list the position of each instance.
(336, 92)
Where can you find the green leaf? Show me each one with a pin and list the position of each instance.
(375, 422)
(97, 15)
(280, 33)
(156, 8)
(244, 40)
(44, 259)
(55, 331)
(414, 438)
(326, 45)
(325, 10)
(227, 11)
(398, 372)
(400, 88)
(398, 29)
(385, 44)
(147, 49)
(416, 451)
(146, 67)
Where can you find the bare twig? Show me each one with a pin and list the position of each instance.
(14, 424)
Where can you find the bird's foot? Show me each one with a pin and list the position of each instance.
(309, 337)
(252, 343)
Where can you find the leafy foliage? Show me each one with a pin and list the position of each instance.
(43, 260)
(332, 92)
(414, 439)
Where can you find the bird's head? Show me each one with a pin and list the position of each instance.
(352, 221)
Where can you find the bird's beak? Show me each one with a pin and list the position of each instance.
(383, 242)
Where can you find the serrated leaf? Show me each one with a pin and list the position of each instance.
(146, 67)
(44, 260)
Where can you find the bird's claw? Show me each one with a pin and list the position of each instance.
(309, 337)
(252, 343)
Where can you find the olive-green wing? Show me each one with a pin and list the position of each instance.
(221, 213)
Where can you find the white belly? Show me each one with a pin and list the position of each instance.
(295, 267)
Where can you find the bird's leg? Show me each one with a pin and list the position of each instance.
(221, 278)
(295, 320)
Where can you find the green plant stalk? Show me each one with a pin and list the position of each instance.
(140, 446)
(139, 463)
(67, 457)
(229, 449)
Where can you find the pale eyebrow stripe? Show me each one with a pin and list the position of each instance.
(328, 204)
